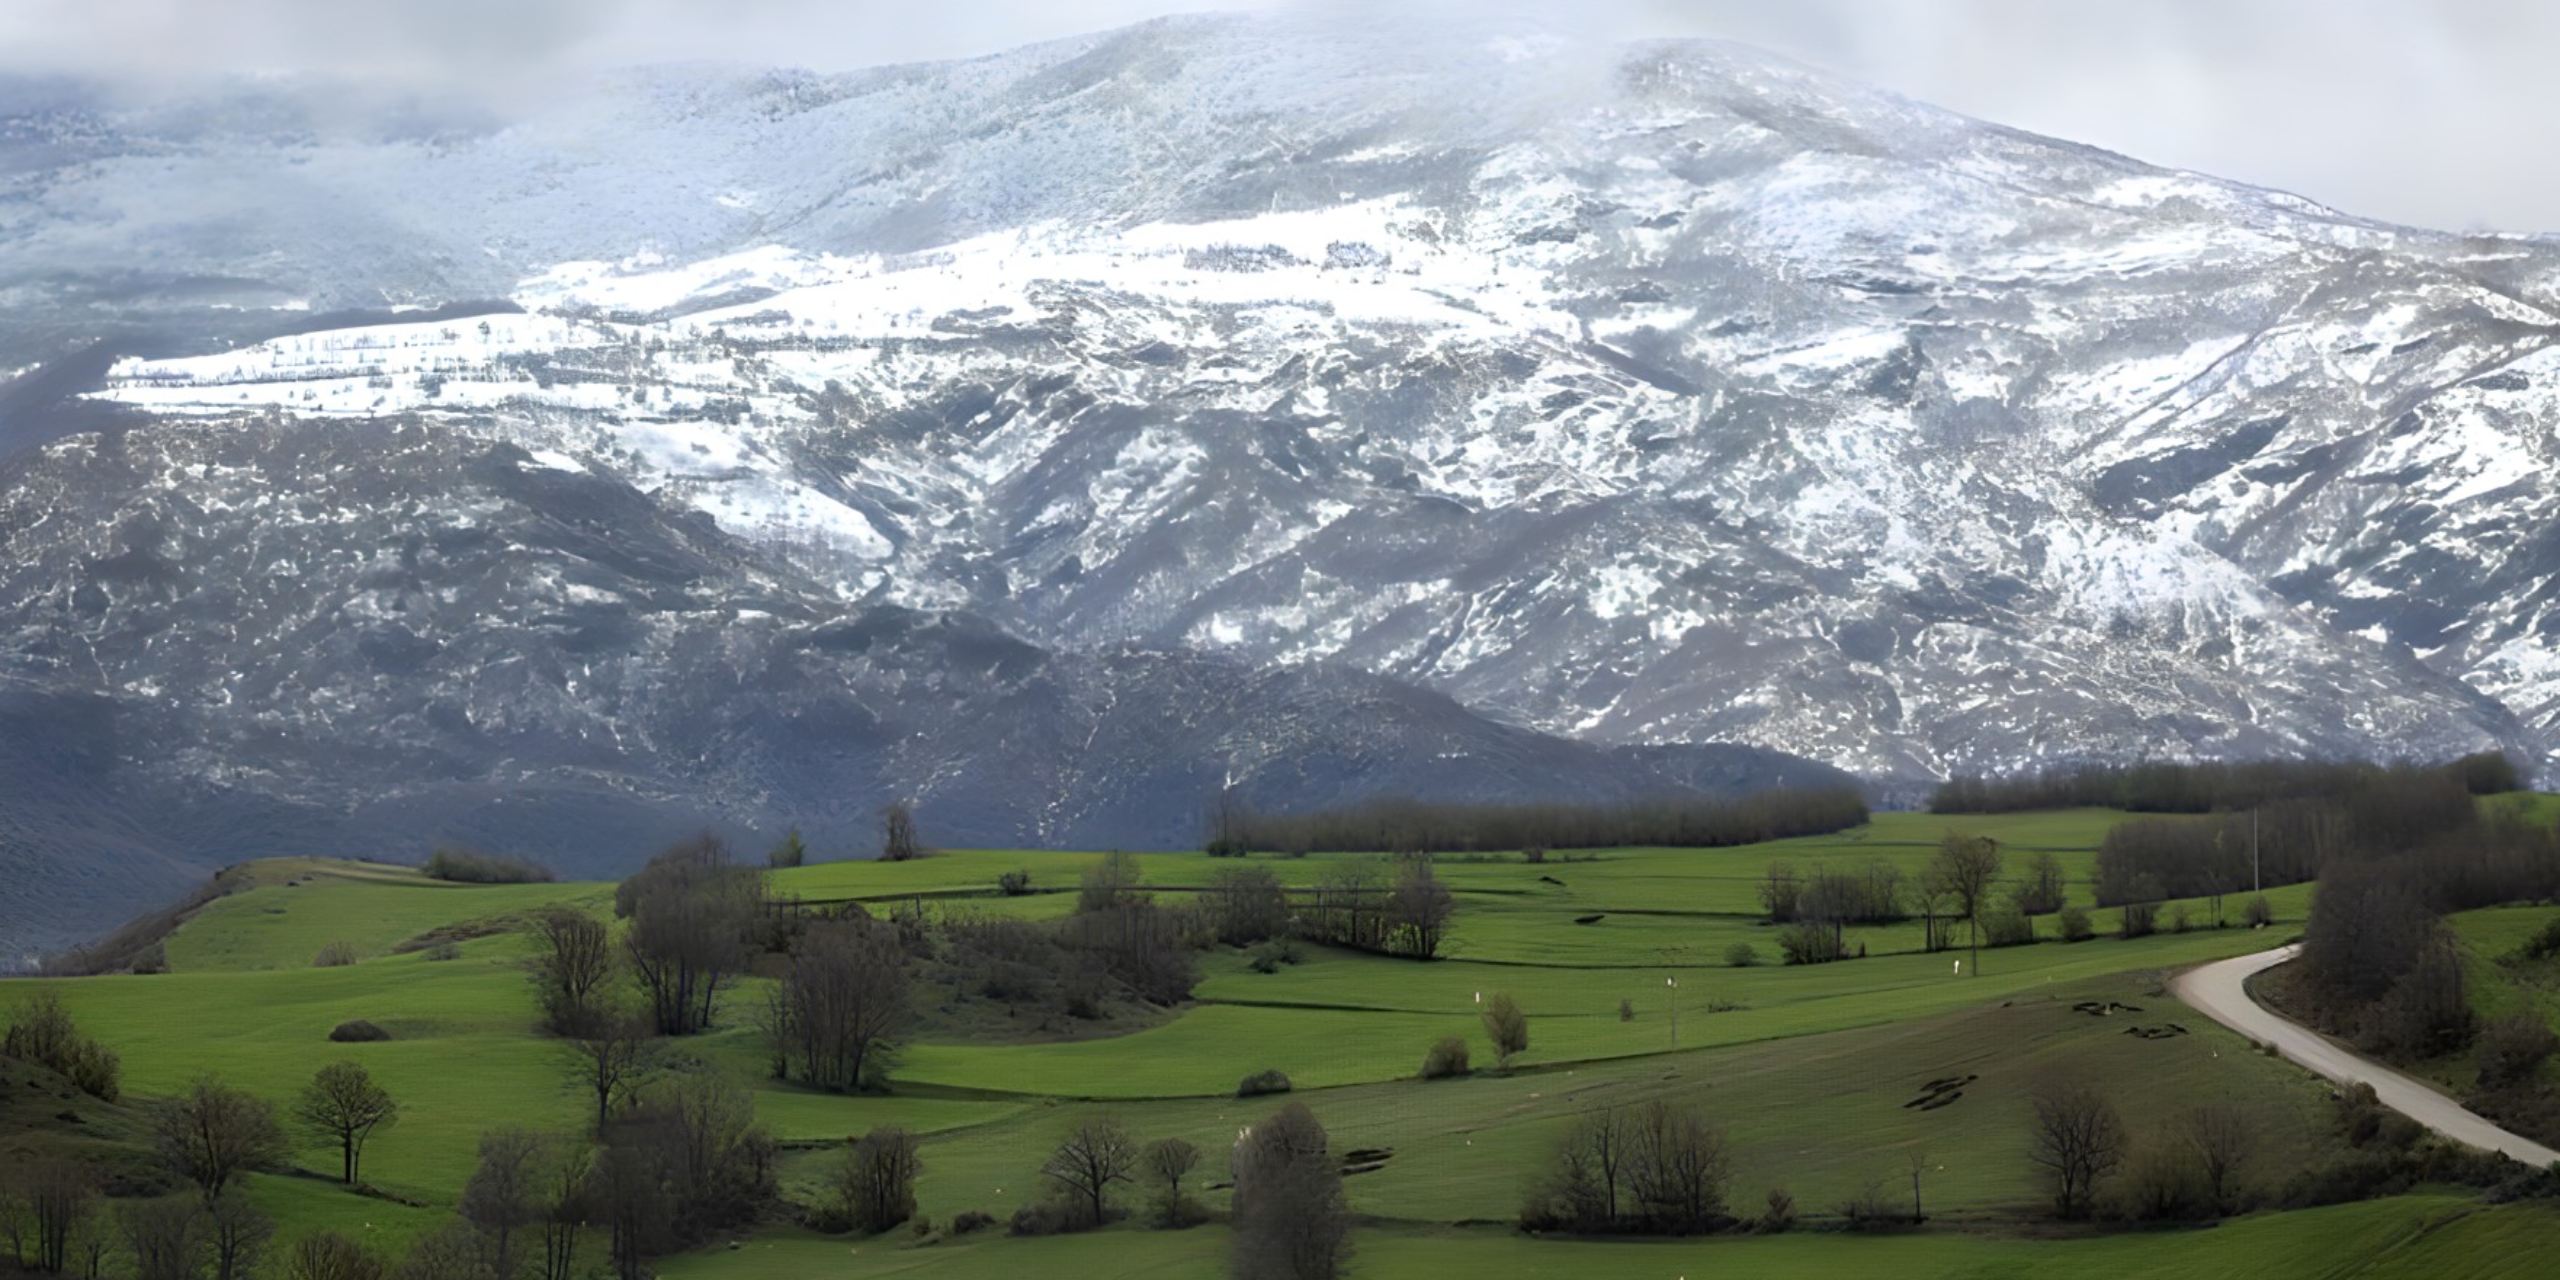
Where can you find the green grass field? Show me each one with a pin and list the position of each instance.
(1809, 1069)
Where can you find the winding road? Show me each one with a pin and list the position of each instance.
(2217, 990)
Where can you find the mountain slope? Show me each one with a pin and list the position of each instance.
(1639, 394)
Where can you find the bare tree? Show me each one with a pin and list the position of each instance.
(692, 913)
(898, 840)
(1591, 1170)
(607, 1058)
(1964, 870)
(450, 1252)
(792, 851)
(1677, 1166)
(1168, 1161)
(1110, 883)
(1418, 910)
(166, 1237)
(327, 1255)
(342, 1105)
(1095, 1156)
(1246, 904)
(2078, 1140)
(1291, 1222)
(2223, 1136)
(504, 1195)
(2042, 892)
(565, 1192)
(212, 1133)
(236, 1233)
(571, 968)
(1227, 823)
(46, 1200)
(845, 992)
(1917, 1160)
(1507, 1027)
(1781, 893)
(876, 1185)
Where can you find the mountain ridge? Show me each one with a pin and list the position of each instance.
(1636, 394)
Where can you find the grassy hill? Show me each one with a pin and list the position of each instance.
(1815, 1072)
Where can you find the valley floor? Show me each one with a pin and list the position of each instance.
(1822, 1076)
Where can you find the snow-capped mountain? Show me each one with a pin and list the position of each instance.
(1644, 394)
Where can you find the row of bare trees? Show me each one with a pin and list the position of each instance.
(2204, 787)
(1399, 825)
(1364, 905)
(1289, 1217)
(1655, 1167)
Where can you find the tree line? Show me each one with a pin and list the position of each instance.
(2200, 787)
(1404, 825)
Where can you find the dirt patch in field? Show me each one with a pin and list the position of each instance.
(2105, 1008)
(2165, 1031)
(1944, 1091)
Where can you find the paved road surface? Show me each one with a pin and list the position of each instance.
(2215, 990)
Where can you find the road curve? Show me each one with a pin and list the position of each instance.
(2216, 991)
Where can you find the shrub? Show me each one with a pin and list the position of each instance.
(1261, 1083)
(790, 852)
(2041, 892)
(357, 1031)
(2141, 920)
(1246, 905)
(1781, 1213)
(2427, 1011)
(1741, 955)
(2075, 925)
(2513, 1049)
(1014, 884)
(2359, 1113)
(2006, 926)
(2544, 944)
(1507, 1026)
(875, 1186)
(334, 955)
(1626, 1011)
(2259, 913)
(1810, 942)
(1869, 1209)
(2162, 1183)
(152, 959)
(1446, 1058)
(1533, 855)
(1041, 1218)
(470, 866)
(41, 1031)
(444, 951)
(971, 1220)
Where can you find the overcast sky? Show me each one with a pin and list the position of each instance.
(2435, 112)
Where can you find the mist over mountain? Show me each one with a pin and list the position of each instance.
(1057, 436)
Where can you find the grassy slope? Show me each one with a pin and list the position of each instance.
(1809, 1073)
(2409, 1238)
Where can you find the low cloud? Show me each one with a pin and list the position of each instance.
(2434, 112)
